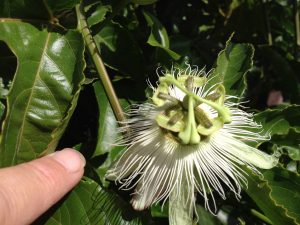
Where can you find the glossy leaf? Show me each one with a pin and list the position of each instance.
(159, 36)
(107, 133)
(265, 195)
(232, 65)
(99, 14)
(280, 120)
(44, 90)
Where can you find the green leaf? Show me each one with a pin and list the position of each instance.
(293, 152)
(44, 91)
(89, 204)
(276, 195)
(58, 5)
(110, 208)
(285, 190)
(159, 36)
(120, 51)
(143, 2)
(232, 65)
(76, 207)
(280, 120)
(99, 14)
(107, 132)
(205, 217)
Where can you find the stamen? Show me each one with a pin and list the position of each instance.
(213, 97)
(176, 118)
(202, 118)
(189, 83)
(167, 97)
(223, 111)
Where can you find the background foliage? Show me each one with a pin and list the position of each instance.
(56, 99)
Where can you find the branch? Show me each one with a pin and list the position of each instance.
(94, 52)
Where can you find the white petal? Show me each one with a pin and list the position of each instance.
(243, 152)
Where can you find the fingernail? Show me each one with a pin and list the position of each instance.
(72, 160)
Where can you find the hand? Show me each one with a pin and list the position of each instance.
(29, 189)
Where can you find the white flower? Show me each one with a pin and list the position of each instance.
(190, 136)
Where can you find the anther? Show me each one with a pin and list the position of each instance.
(175, 118)
(166, 97)
(189, 83)
(202, 118)
(213, 97)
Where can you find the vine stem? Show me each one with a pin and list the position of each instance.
(95, 54)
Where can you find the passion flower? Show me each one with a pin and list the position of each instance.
(191, 136)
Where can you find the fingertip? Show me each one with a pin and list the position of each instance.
(39, 183)
(72, 160)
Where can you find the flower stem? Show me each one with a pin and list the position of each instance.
(222, 111)
(180, 211)
(94, 52)
(261, 216)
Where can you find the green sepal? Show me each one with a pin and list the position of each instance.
(162, 88)
(197, 81)
(163, 121)
(217, 124)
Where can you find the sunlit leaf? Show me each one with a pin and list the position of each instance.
(98, 15)
(159, 36)
(232, 65)
(44, 90)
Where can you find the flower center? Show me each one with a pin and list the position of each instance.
(191, 118)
